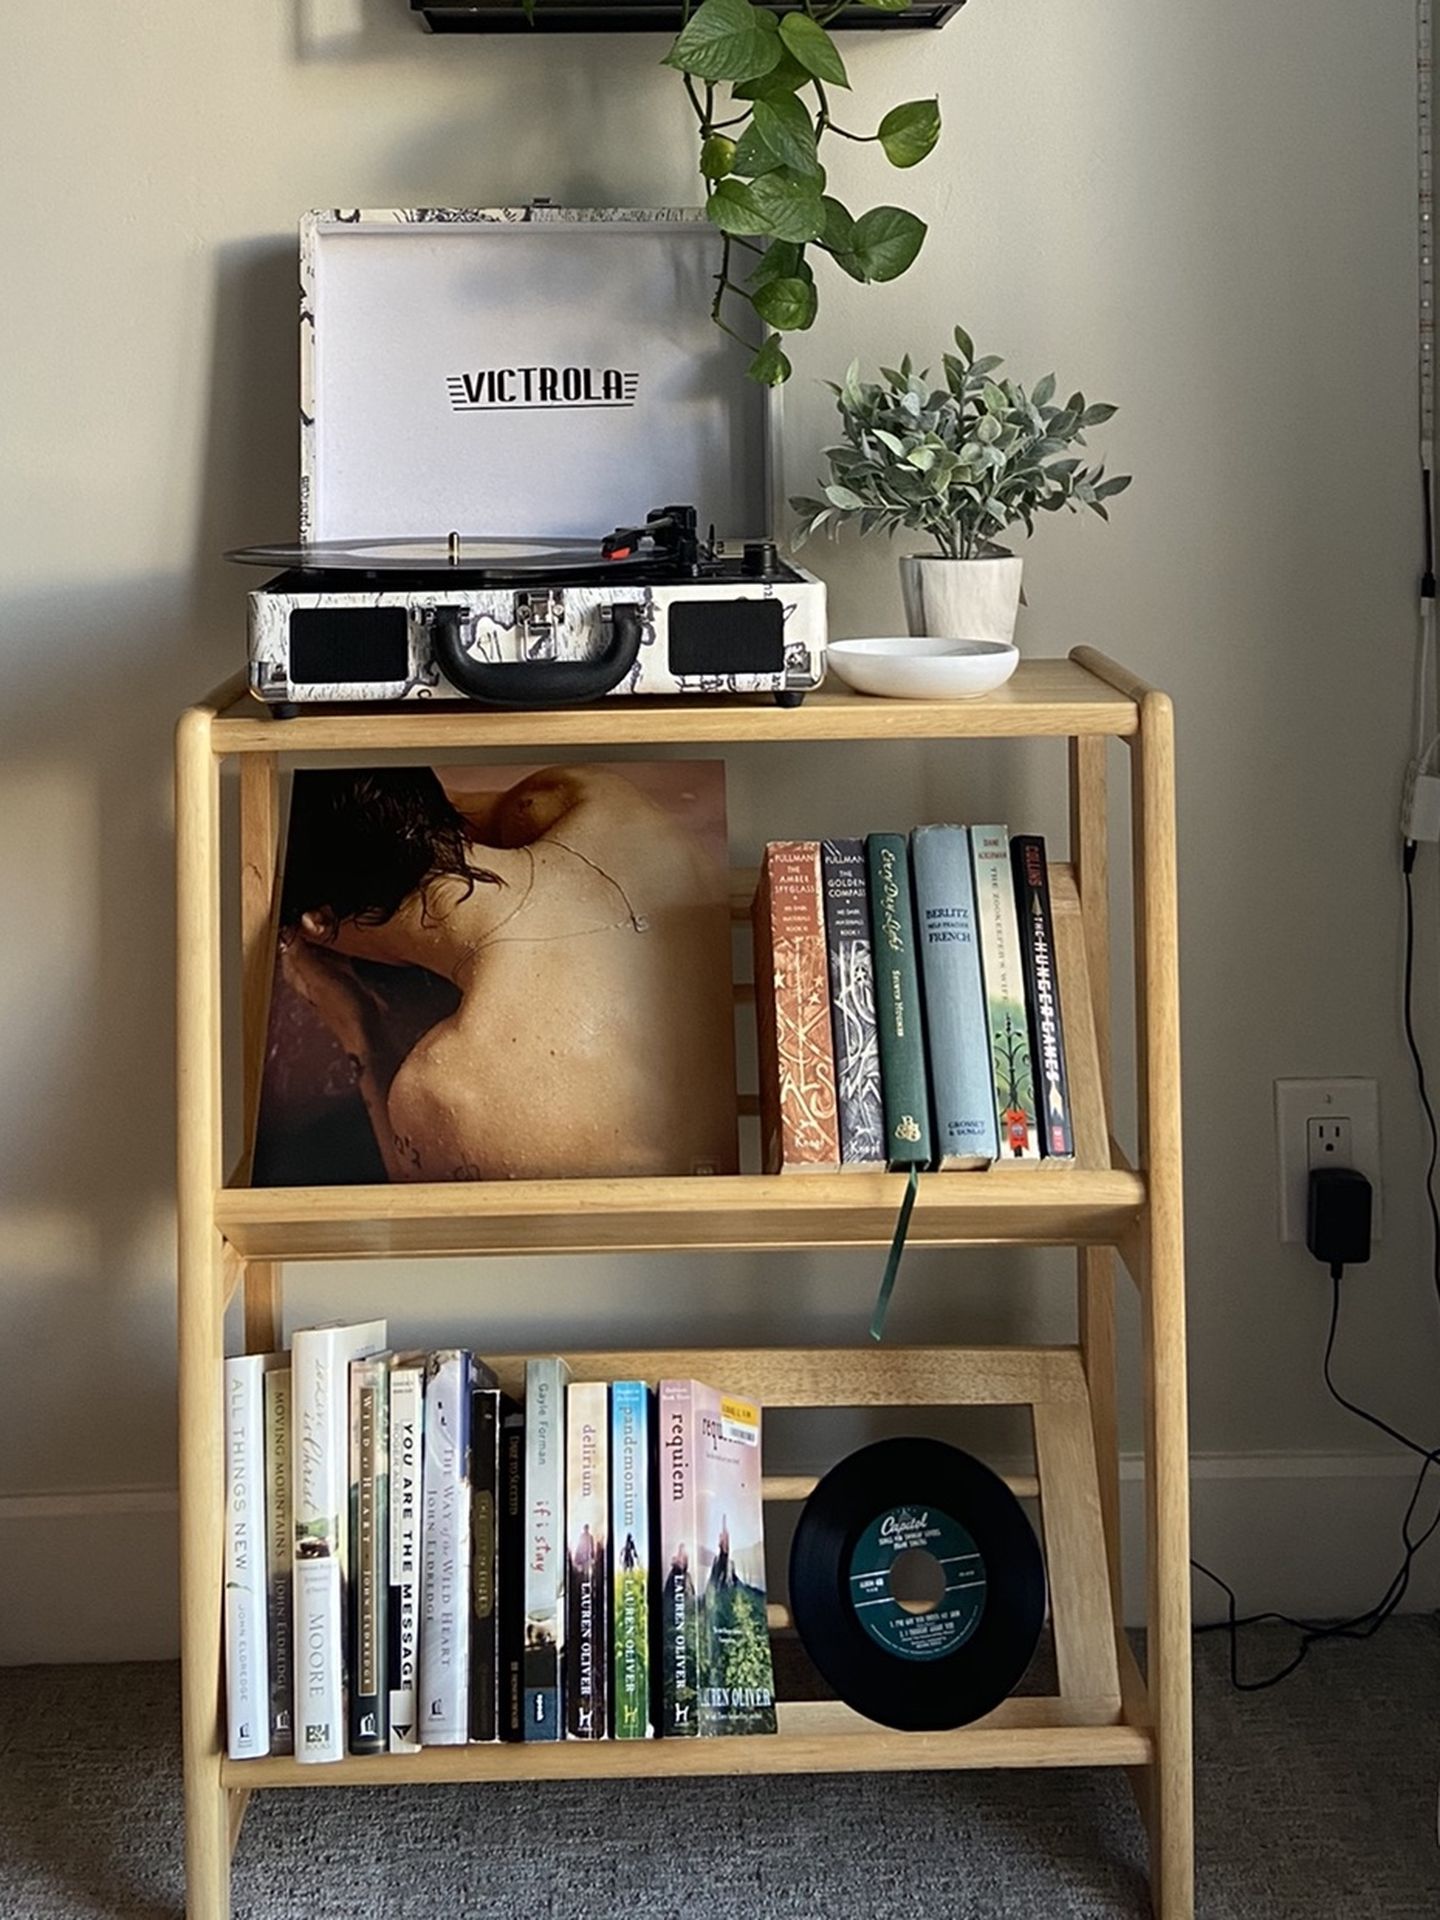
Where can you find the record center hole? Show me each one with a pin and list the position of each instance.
(917, 1580)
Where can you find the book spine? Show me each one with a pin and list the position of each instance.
(962, 1090)
(1049, 1075)
(407, 1404)
(280, 1559)
(851, 964)
(370, 1540)
(319, 1365)
(736, 1681)
(545, 1382)
(679, 1559)
(792, 1005)
(1004, 979)
(631, 1427)
(587, 1560)
(903, 1081)
(445, 1553)
(510, 1571)
(247, 1666)
(484, 1618)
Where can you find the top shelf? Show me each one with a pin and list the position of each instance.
(1054, 698)
(639, 16)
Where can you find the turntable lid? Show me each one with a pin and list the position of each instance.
(522, 371)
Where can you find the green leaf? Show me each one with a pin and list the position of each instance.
(781, 260)
(839, 230)
(1093, 416)
(726, 40)
(752, 155)
(788, 131)
(1045, 392)
(844, 497)
(1108, 487)
(731, 208)
(786, 76)
(789, 204)
(908, 133)
(787, 304)
(812, 47)
(884, 243)
(770, 366)
(717, 157)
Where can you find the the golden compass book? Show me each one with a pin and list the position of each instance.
(501, 973)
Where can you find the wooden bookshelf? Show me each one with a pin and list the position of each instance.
(235, 1238)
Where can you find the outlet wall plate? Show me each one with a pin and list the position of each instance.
(1300, 1103)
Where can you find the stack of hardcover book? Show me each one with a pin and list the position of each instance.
(907, 1003)
(414, 1558)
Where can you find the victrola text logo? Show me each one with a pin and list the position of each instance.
(516, 388)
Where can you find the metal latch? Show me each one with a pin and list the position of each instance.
(537, 616)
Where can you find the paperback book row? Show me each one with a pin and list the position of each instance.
(907, 1003)
(414, 1558)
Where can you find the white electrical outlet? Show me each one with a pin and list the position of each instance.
(1321, 1123)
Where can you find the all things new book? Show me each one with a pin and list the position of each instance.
(491, 973)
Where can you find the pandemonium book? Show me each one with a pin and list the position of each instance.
(501, 973)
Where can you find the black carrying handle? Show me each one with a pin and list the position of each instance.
(537, 683)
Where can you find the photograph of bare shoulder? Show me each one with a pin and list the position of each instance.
(501, 973)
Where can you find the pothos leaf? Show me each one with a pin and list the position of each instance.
(786, 76)
(717, 156)
(908, 133)
(781, 260)
(885, 242)
(787, 304)
(788, 131)
(726, 40)
(770, 366)
(813, 48)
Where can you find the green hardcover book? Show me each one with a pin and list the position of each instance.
(903, 1083)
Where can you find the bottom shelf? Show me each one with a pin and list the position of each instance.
(816, 1736)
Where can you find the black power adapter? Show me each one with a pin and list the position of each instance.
(1337, 1218)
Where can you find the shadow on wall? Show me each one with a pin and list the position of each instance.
(94, 674)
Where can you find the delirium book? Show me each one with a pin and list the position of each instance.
(587, 1560)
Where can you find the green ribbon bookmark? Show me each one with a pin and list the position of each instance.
(892, 1264)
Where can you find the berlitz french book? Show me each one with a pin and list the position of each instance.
(1003, 972)
(904, 1083)
(1042, 992)
(407, 1412)
(370, 1549)
(631, 1430)
(280, 1556)
(247, 1663)
(850, 959)
(320, 1359)
(587, 1560)
(800, 1130)
(961, 1088)
(736, 1680)
(545, 1383)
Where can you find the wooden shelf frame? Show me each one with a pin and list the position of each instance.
(234, 1238)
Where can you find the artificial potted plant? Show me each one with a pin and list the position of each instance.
(962, 463)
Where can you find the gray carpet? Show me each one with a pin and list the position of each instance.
(1315, 1800)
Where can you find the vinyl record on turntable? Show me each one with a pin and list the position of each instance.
(917, 1585)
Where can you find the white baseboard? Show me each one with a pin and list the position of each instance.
(93, 1576)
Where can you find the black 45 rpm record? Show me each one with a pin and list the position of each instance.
(917, 1584)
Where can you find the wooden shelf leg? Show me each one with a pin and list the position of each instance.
(200, 1317)
(1167, 1489)
(262, 1306)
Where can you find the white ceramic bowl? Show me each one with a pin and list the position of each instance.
(923, 669)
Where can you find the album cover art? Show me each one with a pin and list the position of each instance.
(490, 973)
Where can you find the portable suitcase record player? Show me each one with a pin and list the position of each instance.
(491, 405)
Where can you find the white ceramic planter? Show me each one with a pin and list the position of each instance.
(962, 599)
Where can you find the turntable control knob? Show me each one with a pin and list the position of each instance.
(760, 561)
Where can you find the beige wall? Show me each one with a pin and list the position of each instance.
(1203, 213)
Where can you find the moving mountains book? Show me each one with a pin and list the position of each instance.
(495, 973)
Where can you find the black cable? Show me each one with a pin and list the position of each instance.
(1360, 1626)
(1408, 1005)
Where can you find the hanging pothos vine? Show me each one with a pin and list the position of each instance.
(760, 158)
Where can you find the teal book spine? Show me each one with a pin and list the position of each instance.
(630, 1544)
(903, 1082)
(961, 1084)
(1003, 969)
